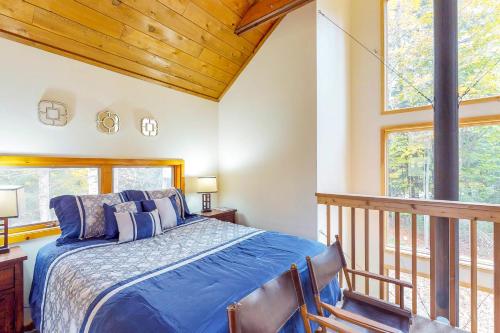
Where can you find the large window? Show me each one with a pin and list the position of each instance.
(145, 179)
(409, 174)
(409, 50)
(46, 177)
(42, 184)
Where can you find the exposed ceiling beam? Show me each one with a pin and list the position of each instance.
(266, 10)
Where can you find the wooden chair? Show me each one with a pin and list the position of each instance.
(269, 307)
(366, 312)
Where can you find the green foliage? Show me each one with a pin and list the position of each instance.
(410, 175)
(410, 50)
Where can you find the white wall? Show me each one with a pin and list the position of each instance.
(188, 124)
(333, 73)
(267, 132)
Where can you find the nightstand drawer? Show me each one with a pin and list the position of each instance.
(227, 217)
(7, 278)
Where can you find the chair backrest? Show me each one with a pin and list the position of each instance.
(325, 266)
(269, 307)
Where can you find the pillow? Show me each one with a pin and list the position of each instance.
(182, 208)
(166, 209)
(82, 217)
(135, 226)
(110, 226)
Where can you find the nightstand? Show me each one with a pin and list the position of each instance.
(228, 215)
(11, 291)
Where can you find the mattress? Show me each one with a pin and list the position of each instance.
(180, 281)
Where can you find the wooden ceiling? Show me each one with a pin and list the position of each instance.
(188, 45)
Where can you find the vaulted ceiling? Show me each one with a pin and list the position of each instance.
(189, 45)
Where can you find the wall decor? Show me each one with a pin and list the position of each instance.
(108, 122)
(52, 113)
(149, 127)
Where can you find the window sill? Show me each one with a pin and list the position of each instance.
(29, 232)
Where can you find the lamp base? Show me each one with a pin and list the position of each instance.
(206, 203)
(5, 234)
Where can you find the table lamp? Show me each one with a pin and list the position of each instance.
(9, 208)
(206, 186)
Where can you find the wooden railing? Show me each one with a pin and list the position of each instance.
(349, 205)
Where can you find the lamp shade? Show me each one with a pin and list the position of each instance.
(9, 201)
(207, 184)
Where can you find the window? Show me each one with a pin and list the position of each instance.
(42, 184)
(146, 179)
(46, 177)
(409, 174)
(409, 50)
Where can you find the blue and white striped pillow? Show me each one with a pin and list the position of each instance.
(135, 226)
(182, 208)
(166, 209)
(82, 217)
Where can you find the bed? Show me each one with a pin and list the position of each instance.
(180, 281)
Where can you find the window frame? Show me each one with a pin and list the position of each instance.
(384, 134)
(383, 75)
(105, 167)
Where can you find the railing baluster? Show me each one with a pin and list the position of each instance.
(381, 230)
(496, 278)
(453, 277)
(397, 254)
(432, 267)
(367, 250)
(473, 276)
(328, 226)
(353, 245)
(340, 238)
(414, 271)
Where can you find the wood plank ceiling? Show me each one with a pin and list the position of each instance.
(188, 45)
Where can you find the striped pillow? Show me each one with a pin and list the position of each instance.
(135, 226)
(180, 199)
(166, 209)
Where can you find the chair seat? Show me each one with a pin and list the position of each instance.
(382, 316)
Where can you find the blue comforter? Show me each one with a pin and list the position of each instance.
(181, 281)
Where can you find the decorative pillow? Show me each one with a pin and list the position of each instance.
(110, 226)
(82, 216)
(182, 208)
(166, 209)
(135, 226)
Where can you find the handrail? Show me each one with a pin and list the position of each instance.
(436, 211)
(436, 208)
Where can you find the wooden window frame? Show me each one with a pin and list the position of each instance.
(383, 78)
(105, 167)
(384, 134)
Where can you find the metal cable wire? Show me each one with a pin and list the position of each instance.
(398, 74)
(476, 82)
(392, 69)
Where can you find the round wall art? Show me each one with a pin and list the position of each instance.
(108, 122)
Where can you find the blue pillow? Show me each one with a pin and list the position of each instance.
(167, 209)
(82, 217)
(182, 207)
(111, 228)
(135, 226)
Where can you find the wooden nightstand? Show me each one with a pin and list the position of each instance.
(228, 215)
(11, 291)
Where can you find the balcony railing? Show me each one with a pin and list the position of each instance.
(349, 207)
